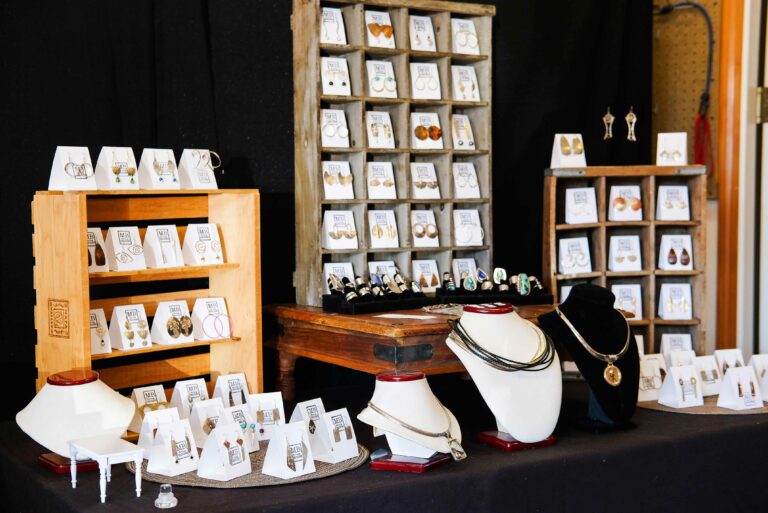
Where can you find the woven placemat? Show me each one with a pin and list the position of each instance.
(709, 408)
(255, 478)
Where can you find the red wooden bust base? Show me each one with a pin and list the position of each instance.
(60, 464)
(409, 464)
(506, 443)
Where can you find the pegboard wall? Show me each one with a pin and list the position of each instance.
(679, 71)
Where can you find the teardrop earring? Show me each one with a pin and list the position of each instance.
(672, 257)
(685, 258)
(565, 148)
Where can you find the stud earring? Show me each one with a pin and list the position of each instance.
(631, 119)
(565, 148)
(608, 123)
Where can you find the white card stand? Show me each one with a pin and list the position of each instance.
(380, 268)
(119, 333)
(116, 170)
(682, 358)
(124, 249)
(461, 131)
(624, 253)
(424, 183)
(382, 227)
(290, 442)
(333, 128)
(332, 27)
(166, 311)
(72, 170)
(379, 40)
(378, 126)
(381, 180)
(381, 79)
(400, 446)
(459, 266)
(728, 359)
(467, 230)
(223, 457)
(425, 120)
(162, 247)
(740, 390)
(574, 256)
(630, 299)
(564, 291)
(422, 34)
(625, 203)
(232, 389)
(204, 418)
(568, 151)
(677, 395)
(210, 320)
(672, 203)
(464, 37)
(239, 416)
(465, 87)
(158, 171)
(336, 172)
(268, 411)
(334, 72)
(675, 301)
(711, 378)
(580, 205)
(202, 245)
(312, 414)
(425, 81)
(680, 248)
(186, 393)
(465, 181)
(640, 341)
(429, 236)
(426, 274)
(98, 255)
(341, 438)
(150, 424)
(174, 451)
(650, 380)
(672, 149)
(759, 362)
(196, 169)
(339, 231)
(340, 269)
(100, 340)
(671, 342)
(147, 399)
(660, 358)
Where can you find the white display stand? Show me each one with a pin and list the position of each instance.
(172, 324)
(381, 79)
(232, 389)
(240, 416)
(629, 297)
(116, 169)
(740, 390)
(425, 81)
(174, 451)
(426, 274)
(459, 266)
(672, 149)
(334, 72)
(97, 261)
(676, 253)
(106, 451)
(675, 302)
(100, 340)
(711, 379)
(147, 399)
(463, 137)
(332, 26)
(759, 362)
(289, 453)
(186, 393)
(150, 424)
(378, 126)
(381, 180)
(467, 230)
(339, 230)
(202, 245)
(124, 249)
(625, 203)
(568, 151)
(333, 128)
(574, 256)
(681, 358)
(675, 342)
(337, 180)
(580, 205)
(129, 328)
(340, 434)
(565, 290)
(728, 359)
(162, 247)
(424, 229)
(158, 171)
(196, 169)
(672, 203)
(312, 414)
(268, 411)
(464, 36)
(659, 358)
(640, 341)
(204, 418)
(383, 37)
(424, 183)
(340, 269)
(422, 33)
(380, 268)
(426, 125)
(210, 320)
(624, 253)
(72, 170)
(382, 227)
(465, 181)
(400, 446)
(465, 87)
(682, 388)
(225, 455)
(650, 380)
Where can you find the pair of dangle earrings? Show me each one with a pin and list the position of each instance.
(630, 118)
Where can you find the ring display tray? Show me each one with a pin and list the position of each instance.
(506, 443)
(464, 297)
(337, 304)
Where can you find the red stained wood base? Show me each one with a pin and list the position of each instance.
(60, 464)
(506, 443)
(409, 464)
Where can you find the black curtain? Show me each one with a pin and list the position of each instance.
(217, 73)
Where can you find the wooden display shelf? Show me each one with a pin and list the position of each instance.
(168, 273)
(158, 348)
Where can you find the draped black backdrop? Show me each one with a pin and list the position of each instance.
(217, 73)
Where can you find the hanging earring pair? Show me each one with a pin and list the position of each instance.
(630, 118)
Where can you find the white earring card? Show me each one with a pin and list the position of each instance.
(381, 180)
(465, 86)
(332, 31)
(129, 328)
(147, 399)
(681, 358)
(424, 183)
(337, 180)
(630, 299)
(424, 229)
(116, 169)
(574, 256)
(625, 203)
(564, 291)
(97, 256)
(426, 274)
(624, 253)
(225, 456)
(467, 230)
(186, 393)
(381, 79)
(202, 245)
(158, 170)
(650, 380)
(464, 37)
(463, 267)
(676, 252)
(711, 378)
(675, 302)
(333, 128)
(568, 151)
(728, 359)
(422, 33)
(196, 169)
(342, 442)
(378, 126)
(580, 205)
(150, 425)
(312, 414)
(100, 341)
(72, 170)
(174, 451)
(339, 230)
(289, 453)
(759, 362)
(378, 29)
(740, 390)
(426, 133)
(681, 388)
(241, 417)
(382, 226)
(425, 81)
(461, 130)
(162, 247)
(340, 269)
(172, 324)
(124, 249)
(672, 203)
(232, 389)
(658, 357)
(377, 269)
(268, 411)
(204, 418)
(671, 342)
(465, 183)
(210, 320)
(334, 72)
(672, 149)
(640, 341)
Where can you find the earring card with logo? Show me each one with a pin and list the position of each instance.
(461, 131)
(426, 133)
(157, 170)
(650, 380)
(680, 358)
(672, 203)
(129, 328)
(268, 411)
(625, 203)
(202, 245)
(340, 269)
(210, 320)
(174, 451)
(232, 389)
(116, 169)
(379, 129)
(186, 393)
(196, 169)
(335, 74)
(711, 378)
(675, 302)
(467, 229)
(150, 424)
(672, 149)
(289, 453)
(425, 81)
(312, 414)
(124, 249)
(740, 390)
(460, 266)
(660, 358)
(172, 324)
(340, 434)
(382, 227)
(624, 254)
(241, 417)
(72, 170)
(675, 342)
(379, 29)
(574, 257)
(162, 247)
(676, 252)
(681, 388)
(759, 362)
(204, 417)
(381, 79)
(337, 180)
(464, 36)
(630, 299)
(728, 359)
(465, 184)
(381, 180)
(424, 229)
(147, 399)
(422, 33)
(225, 455)
(381, 268)
(426, 274)
(332, 30)
(334, 129)
(100, 341)
(424, 183)
(580, 205)
(465, 87)
(97, 256)
(339, 231)
(568, 151)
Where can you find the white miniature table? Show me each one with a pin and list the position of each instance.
(105, 450)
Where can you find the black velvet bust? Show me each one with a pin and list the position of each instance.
(590, 310)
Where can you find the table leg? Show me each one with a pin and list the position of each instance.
(139, 460)
(73, 465)
(103, 480)
(285, 379)
(109, 471)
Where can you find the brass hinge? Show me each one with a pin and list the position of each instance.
(761, 110)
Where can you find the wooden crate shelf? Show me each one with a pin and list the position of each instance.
(171, 273)
(158, 348)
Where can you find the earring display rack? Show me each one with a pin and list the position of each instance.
(66, 291)
(309, 101)
(649, 229)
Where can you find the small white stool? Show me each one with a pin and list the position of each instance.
(105, 450)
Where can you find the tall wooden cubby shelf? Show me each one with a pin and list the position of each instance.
(66, 291)
(309, 100)
(650, 231)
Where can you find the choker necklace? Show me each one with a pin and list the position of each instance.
(457, 451)
(611, 374)
(542, 359)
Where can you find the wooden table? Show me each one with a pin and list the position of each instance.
(369, 342)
